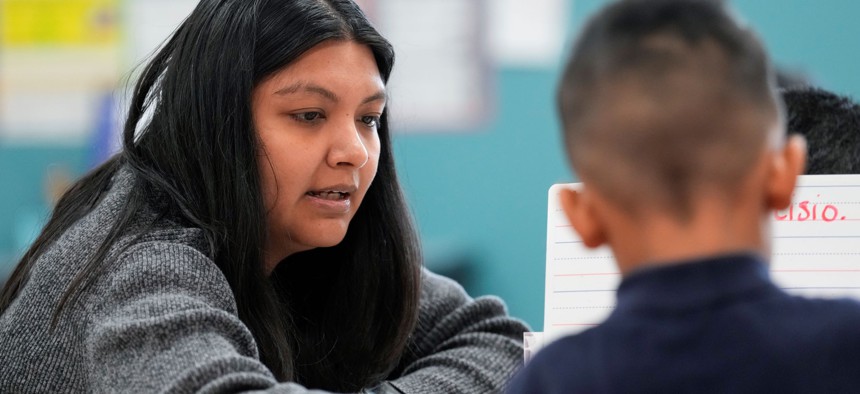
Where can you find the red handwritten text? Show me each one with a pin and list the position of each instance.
(808, 211)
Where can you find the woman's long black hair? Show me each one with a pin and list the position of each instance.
(335, 318)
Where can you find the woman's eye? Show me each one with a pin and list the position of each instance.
(307, 117)
(370, 121)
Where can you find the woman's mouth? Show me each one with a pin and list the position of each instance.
(329, 195)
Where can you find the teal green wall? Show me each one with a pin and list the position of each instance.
(818, 37)
(480, 196)
(484, 192)
(23, 192)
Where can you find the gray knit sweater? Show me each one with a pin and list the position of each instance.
(163, 319)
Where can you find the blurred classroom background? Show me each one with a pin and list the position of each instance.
(477, 141)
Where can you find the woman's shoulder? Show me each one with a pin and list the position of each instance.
(163, 233)
(434, 285)
(438, 290)
(168, 262)
(153, 224)
(442, 296)
(158, 250)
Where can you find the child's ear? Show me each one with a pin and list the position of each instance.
(786, 164)
(578, 206)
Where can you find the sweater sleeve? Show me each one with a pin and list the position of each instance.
(461, 345)
(164, 320)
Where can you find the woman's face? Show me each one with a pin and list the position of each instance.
(316, 120)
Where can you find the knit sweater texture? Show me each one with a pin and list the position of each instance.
(162, 318)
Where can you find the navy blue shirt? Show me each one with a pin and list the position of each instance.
(715, 325)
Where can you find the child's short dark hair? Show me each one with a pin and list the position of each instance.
(666, 95)
(831, 125)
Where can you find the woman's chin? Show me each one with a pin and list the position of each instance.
(327, 239)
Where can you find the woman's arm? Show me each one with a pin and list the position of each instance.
(461, 345)
(165, 321)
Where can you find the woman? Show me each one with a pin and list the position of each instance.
(251, 232)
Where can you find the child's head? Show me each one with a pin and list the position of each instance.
(668, 103)
(831, 125)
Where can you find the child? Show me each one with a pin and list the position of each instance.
(831, 125)
(672, 123)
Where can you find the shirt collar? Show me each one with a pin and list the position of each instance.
(694, 284)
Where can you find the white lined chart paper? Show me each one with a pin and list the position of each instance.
(816, 243)
(816, 252)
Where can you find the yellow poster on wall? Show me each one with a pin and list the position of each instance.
(58, 59)
(67, 23)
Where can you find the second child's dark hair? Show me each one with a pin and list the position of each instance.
(332, 318)
(831, 125)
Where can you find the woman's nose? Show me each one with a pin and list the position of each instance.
(348, 147)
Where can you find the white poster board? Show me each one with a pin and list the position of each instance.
(816, 252)
(442, 79)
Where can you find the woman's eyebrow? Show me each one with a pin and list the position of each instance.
(308, 88)
(325, 93)
(380, 95)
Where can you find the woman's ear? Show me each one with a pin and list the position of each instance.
(785, 166)
(578, 206)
